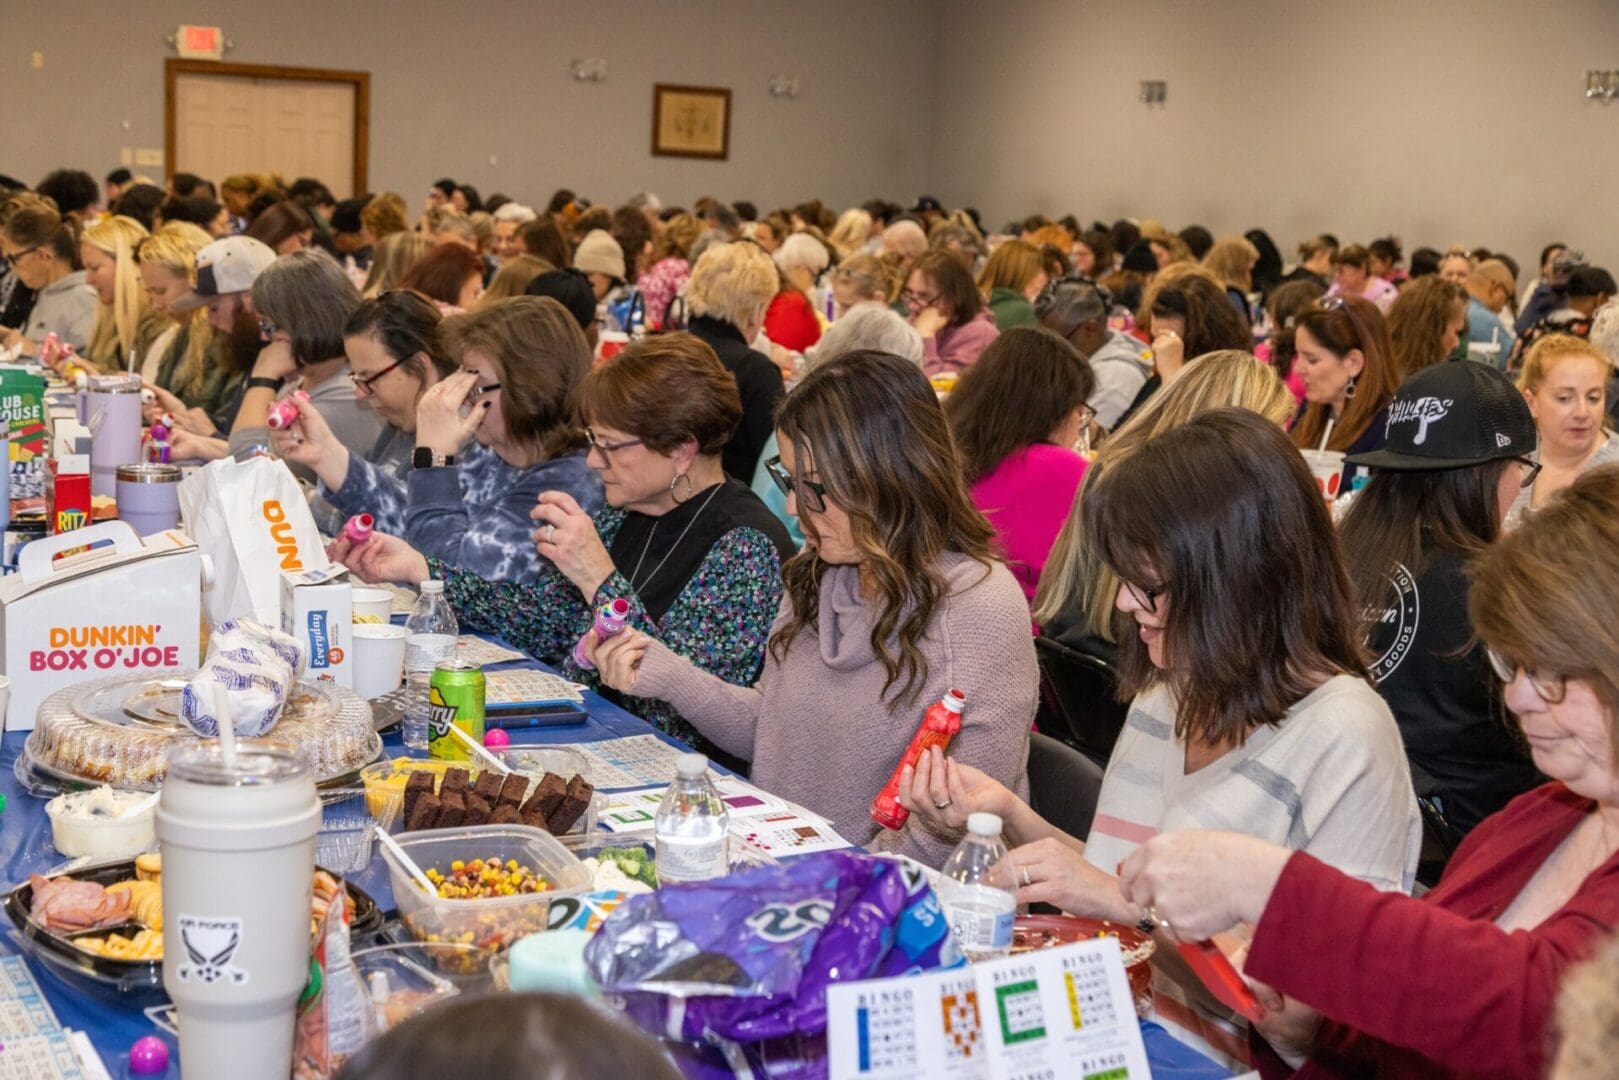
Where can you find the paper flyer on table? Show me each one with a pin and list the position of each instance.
(471, 649)
(1063, 1012)
(630, 762)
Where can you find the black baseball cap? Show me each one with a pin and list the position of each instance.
(570, 288)
(1451, 415)
(927, 203)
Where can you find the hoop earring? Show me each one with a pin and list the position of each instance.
(1349, 391)
(677, 478)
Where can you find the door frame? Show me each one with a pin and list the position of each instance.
(361, 81)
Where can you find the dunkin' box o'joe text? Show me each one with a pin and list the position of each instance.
(126, 608)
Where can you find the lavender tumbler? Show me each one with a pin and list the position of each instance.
(111, 409)
(149, 497)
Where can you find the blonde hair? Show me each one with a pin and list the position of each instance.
(1605, 331)
(733, 283)
(675, 241)
(1075, 577)
(392, 259)
(174, 247)
(873, 278)
(512, 279)
(1232, 260)
(1546, 352)
(850, 233)
(1012, 266)
(384, 215)
(447, 220)
(118, 327)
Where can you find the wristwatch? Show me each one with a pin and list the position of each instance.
(427, 458)
(264, 382)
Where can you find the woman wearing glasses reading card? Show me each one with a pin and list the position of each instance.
(1463, 981)
(896, 599)
(697, 555)
(489, 438)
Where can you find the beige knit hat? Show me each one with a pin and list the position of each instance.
(599, 253)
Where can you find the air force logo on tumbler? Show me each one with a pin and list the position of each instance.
(210, 946)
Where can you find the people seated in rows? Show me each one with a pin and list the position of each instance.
(1456, 266)
(449, 274)
(1011, 280)
(1017, 416)
(42, 248)
(695, 554)
(862, 279)
(729, 291)
(1185, 313)
(1490, 337)
(392, 260)
(125, 323)
(1427, 324)
(896, 598)
(1239, 646)
(944, 305)
(1347, 363)
(194, 371)
(1565, 380)
(1077, 311)
(1232, 259)
(1352, 277)
(1462, 981)
(669, 269)
(1574, 305)
(601, 260)
(1283, 305)
(792, 320)
(1460, 440)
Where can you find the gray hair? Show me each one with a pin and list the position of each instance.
(1070, 305)
(871, 325)
(723, 216)
(309, 296)
(1605, 331)
(802, 250)
(644, 201)
(516, 212)
(967, 240)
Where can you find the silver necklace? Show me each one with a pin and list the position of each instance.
(636, 588)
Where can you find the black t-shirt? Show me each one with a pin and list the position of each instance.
(1463, 747)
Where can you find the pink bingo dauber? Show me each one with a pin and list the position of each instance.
(611, 618)
(358, 528)
(283, 413)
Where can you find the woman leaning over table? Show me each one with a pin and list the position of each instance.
(697, 555)
(1251, 707)
(895, 599)
(1565, 381)
(1461, 982)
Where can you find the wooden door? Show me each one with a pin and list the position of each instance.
(256, 119)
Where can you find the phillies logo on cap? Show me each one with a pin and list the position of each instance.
(1424, 411)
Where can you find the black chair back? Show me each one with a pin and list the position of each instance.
(1063, 785)
(1077, 704)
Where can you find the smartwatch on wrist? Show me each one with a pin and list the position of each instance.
(425, 457)
(263, 382)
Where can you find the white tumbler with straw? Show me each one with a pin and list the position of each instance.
(236, 824)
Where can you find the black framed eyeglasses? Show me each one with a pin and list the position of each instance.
(1551, 688)
(17, 256)
(606, 448)
(810, 494)
(1146, 596)
(1531, 469)
(364, 383)
(480, 391)
(918, 300)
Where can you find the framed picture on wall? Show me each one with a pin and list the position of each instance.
(691, 121)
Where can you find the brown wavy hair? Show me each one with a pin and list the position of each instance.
(1341, 324)
(1223, 514)
(868, 427)
(1418, 319)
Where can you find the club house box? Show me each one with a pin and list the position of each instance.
(123, 607)
(317, 608)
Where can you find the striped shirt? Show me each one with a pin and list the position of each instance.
(1330, 779)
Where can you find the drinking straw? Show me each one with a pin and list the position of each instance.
(493, 760)
(1327, 434)
(227, 726)
(406, 861)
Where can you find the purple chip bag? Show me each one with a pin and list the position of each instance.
(747, 958)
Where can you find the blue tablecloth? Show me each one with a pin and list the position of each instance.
(113, 1025)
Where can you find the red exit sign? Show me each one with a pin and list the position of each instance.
(200, 42)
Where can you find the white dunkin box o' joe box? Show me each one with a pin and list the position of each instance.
(124, 606)
(317, 608)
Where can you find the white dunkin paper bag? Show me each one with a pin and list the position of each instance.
(250, 519)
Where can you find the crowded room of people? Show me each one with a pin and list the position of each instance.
(731, 541)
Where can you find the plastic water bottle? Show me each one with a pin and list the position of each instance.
(978, 891)
(693, 826)
(432, 633)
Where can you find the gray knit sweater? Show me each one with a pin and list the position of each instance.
(816, 728)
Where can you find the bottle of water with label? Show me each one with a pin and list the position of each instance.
(979, 892)
(431, 636)
(693, 826)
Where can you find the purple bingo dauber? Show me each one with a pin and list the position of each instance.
(610, 619)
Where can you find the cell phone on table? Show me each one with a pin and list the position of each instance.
(560, 714)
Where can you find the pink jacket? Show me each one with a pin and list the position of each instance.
(1027, 498)
(956, 347)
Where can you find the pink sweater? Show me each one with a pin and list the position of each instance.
(956, 347)
(816, 728)
(1027, 498)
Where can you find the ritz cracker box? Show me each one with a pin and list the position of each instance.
(317, 608)
(123, 607)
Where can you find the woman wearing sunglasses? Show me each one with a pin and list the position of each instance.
(896, 599)
(491, 437)
(1459, 440)
(1463, 981)
(1238, 642)
(697, 555)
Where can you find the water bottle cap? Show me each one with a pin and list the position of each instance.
(691, 766)
(982, 824)
(433, 586)
(954, 700)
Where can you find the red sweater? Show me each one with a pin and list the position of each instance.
(790, 321)
(1432, 987)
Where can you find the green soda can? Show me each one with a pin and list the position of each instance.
(454, 697)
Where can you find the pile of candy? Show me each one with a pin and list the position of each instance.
(482, 879)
